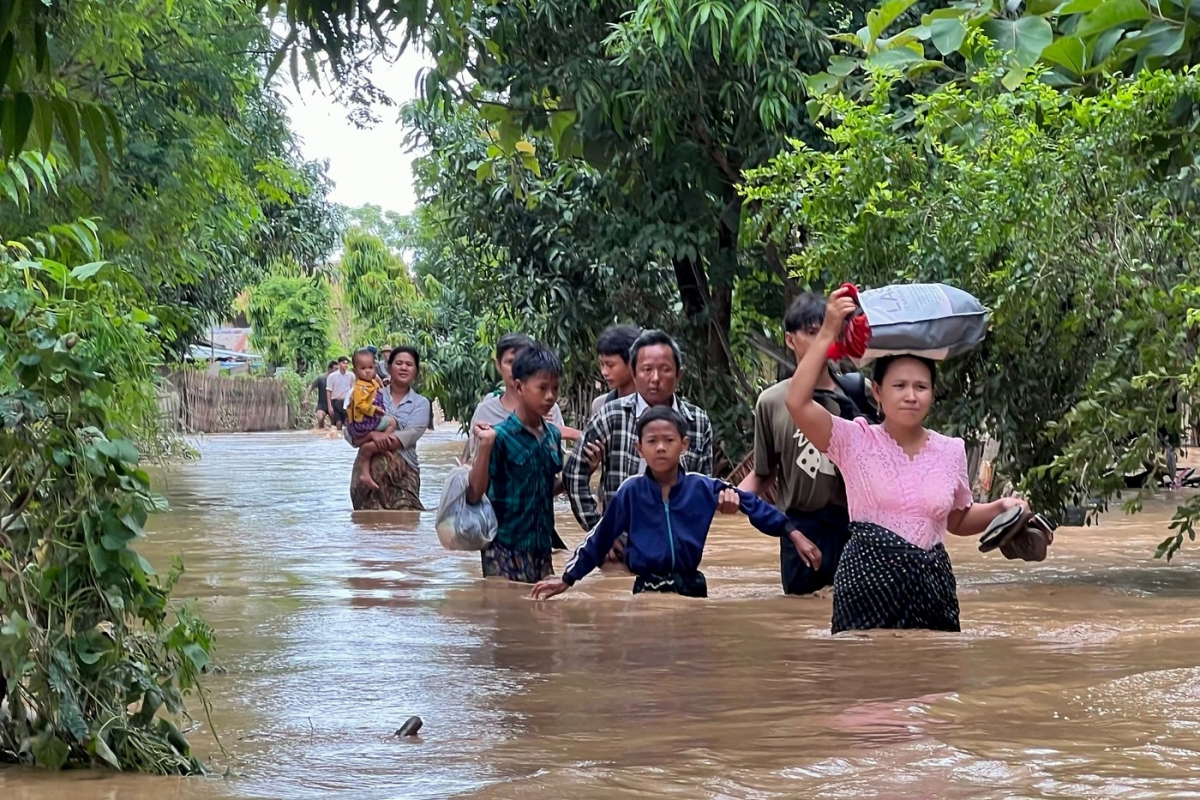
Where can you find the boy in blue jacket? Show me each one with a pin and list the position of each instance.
(667, 513)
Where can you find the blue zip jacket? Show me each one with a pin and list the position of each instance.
(665, 536)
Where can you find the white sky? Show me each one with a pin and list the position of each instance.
(367, 166)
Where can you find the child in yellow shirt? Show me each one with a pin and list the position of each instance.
(366, 412)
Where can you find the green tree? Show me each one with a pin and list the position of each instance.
(1065, 217)
(291, 320)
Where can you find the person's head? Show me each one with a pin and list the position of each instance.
(385, 355)
(661, 439)
(343, 364)
(903, 388)
(656, 364)
(364, 364)
(613, 347)
(331, 366)
(508, 348)
(404, 365)
(372, 350)
(803, 322)
(535, 376)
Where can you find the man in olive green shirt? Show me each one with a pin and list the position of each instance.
(808, 487)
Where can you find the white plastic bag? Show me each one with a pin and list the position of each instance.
(932, 320)
(460, 525)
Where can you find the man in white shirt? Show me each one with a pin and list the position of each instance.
(339, 384)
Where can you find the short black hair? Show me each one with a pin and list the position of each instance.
(412, 351)
(363, 351)
(880, 369)
(344, 359)
(616, 340)
(332, 364)
(511, 341)
(661, 414)
(654, 338)
(534, 359)
(806, 313)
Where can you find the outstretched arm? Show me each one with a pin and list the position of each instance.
(812, 418)
(591, 553)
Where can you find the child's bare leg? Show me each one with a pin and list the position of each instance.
(389, 424)
(367, 453)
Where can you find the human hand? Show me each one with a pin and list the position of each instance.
(544, 590)
(485, 434)
(1011, 502)
(593, 453)
(810, 554)
(728, 502)
(841, 307)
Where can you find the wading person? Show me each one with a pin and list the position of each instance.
(319, 386)
(665, 514)
(610, 437)
(413, 415)
(518, 467)
(498, 406)
(808, 487)
(906, 486)
(612, 348)
(339, 385)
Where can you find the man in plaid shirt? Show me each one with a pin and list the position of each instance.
(609, 437)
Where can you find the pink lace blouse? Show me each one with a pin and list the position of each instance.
(910, 496)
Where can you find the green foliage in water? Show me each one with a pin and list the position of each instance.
(94, 659)
(1071, 217)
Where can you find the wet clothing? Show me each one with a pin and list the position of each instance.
(521, 566)
(690, 585)
(885, 581)
(318, 385)
(614, 427)
(337, 411)
(808, 487)
(665, 536)
(828, 529)
(521, 478)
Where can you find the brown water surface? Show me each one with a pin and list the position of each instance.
(1073, 678)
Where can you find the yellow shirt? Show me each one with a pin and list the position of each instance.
(362, 400)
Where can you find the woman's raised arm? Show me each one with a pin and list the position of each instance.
(812, 418)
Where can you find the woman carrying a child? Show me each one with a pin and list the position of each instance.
(906, 486)
(406, 416)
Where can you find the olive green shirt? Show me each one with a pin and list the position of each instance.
(806, 479)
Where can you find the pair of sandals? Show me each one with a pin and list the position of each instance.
(1018, 534)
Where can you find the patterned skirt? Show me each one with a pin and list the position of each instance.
(522, 566)
(399, 485)
(884, 581)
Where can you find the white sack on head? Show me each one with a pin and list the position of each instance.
(931, 320)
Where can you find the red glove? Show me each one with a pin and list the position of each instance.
(855, 335)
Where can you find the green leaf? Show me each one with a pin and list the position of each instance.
(85, 271)
(6, 57)
(879, 20)
(948, 34)
(842, 65)
(1110, 14)
(1068, 52)
(196, 654)
(23, 104)
(898, 58)
(49, 751)
(1012, 80)
(99, 748)
(68, 122)
(97, 134)
(44, 120)
(1078, 6)
(114, 128)
(1026, 37)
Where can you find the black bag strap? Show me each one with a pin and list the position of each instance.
(854, 384)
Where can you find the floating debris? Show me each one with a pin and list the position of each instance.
(410, 727)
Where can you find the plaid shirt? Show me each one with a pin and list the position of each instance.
(614, 427)
(521, 477)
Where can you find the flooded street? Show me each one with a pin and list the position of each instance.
(1077, 677)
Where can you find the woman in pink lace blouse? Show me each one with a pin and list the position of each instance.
(906, 486)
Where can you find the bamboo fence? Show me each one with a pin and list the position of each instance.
(221, 404)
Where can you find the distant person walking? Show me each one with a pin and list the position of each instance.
(339, 384)
(319, 386)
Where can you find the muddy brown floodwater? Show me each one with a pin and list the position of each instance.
(1073, 678)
